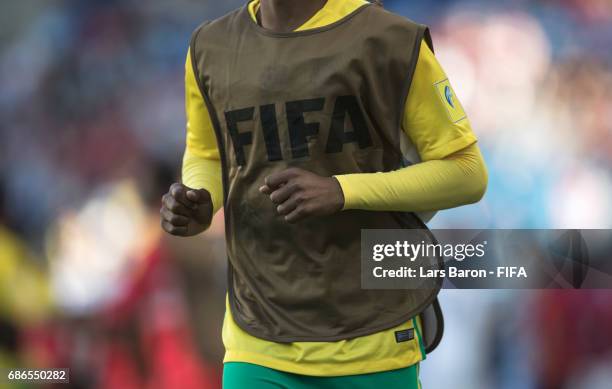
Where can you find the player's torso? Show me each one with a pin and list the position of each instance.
(328, 101)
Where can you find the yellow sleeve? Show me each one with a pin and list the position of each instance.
(453, 172)
(459, 179)
(201, 162)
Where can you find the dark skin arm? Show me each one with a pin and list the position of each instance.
(298, 194)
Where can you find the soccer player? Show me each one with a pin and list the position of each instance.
(309, 120)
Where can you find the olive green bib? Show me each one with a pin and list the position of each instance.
(328, 100)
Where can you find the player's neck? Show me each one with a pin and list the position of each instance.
(287, 15)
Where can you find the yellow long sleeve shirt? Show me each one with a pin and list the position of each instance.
(448, 172)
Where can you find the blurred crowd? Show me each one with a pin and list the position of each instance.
(92, 134)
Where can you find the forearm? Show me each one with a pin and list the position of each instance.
(201, 163)
(204, 173)
(459, 179)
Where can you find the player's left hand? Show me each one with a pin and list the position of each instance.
(300, 194)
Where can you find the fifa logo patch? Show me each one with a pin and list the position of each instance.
(450, 101)
(404, 335)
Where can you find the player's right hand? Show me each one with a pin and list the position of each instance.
(186, 211)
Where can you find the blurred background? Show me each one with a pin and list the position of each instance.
(92, 133)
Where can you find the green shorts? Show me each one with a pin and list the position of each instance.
(239, 375)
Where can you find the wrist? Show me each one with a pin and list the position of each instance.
(339, 199)
(345, 191)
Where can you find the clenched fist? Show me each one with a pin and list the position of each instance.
(300, 194)
(186, 211)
